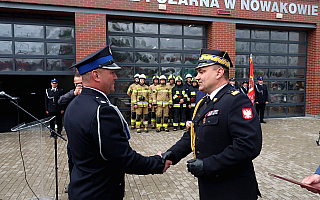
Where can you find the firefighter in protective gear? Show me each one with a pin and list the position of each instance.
(152, 88)
(130, 91)
(192, 95)
(171, 81)
(143, 101)
(179, 104)
(171, 84)
(162, 99)
(187, 86)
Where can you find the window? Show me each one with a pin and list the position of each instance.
(152, 48)
(37, 45)
(279, 56)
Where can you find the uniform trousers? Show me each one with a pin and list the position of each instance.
(142, 113)
(57, 120)
(162, 116)
(179, 116)
(260, 110)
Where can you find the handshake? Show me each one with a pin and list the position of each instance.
(195, 166)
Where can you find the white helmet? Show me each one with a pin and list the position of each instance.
(136, 76)
(162, 77)
(188, 76)
(142, 76)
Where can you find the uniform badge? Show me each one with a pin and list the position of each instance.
(247, 113)
(212, 112)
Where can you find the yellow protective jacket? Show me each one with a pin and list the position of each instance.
(141, 96)
(162, 96)
(131, 90)
(170, 85)
(152, 88)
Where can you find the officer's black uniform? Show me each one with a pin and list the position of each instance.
(225, 136)
(98, 138)
(52, 106)
(261, 96)
(179, 110)
(244, 90)
(227, 143)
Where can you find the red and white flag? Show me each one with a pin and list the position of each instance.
(251, 94)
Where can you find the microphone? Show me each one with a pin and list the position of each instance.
(2, 93)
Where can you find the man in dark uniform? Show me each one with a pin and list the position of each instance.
(64, 100)
(225, 135)
(261, 98)
(98, 135)
(232, 82)
(244, 88)
(52, 107)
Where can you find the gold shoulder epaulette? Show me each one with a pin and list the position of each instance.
(235, 92)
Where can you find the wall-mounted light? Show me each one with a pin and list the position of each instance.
(162, 7)
(279, 15)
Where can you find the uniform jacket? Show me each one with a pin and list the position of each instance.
(244, 90)
(192, 95)
(187, 87)
(131, 90)
(179, 92)
(227, 140)
(141, 95)
(65, 99)
(51, 100)
(152, 88)
(162, 95)
(171, 85)
(261, 93)
(100, 149)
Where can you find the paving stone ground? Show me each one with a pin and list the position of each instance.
(289, 149)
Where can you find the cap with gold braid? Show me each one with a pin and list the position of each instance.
(210, 57)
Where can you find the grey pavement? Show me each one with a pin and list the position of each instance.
(289, 150)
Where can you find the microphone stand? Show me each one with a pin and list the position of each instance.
(55, 136)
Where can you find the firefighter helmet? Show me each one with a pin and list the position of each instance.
(194, 80)
(171, 76)
(162, 77)
(188, 76)
(178, 78)
(155, 77)
(142, 76)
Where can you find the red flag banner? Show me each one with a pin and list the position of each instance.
(251, 94)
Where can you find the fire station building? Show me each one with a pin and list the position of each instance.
(41, 39)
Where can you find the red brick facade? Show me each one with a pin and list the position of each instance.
(90, 33)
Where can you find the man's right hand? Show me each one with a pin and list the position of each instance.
(47, 112)
(77, 91)
(313, 180)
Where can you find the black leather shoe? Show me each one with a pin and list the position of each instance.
(263, 122)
